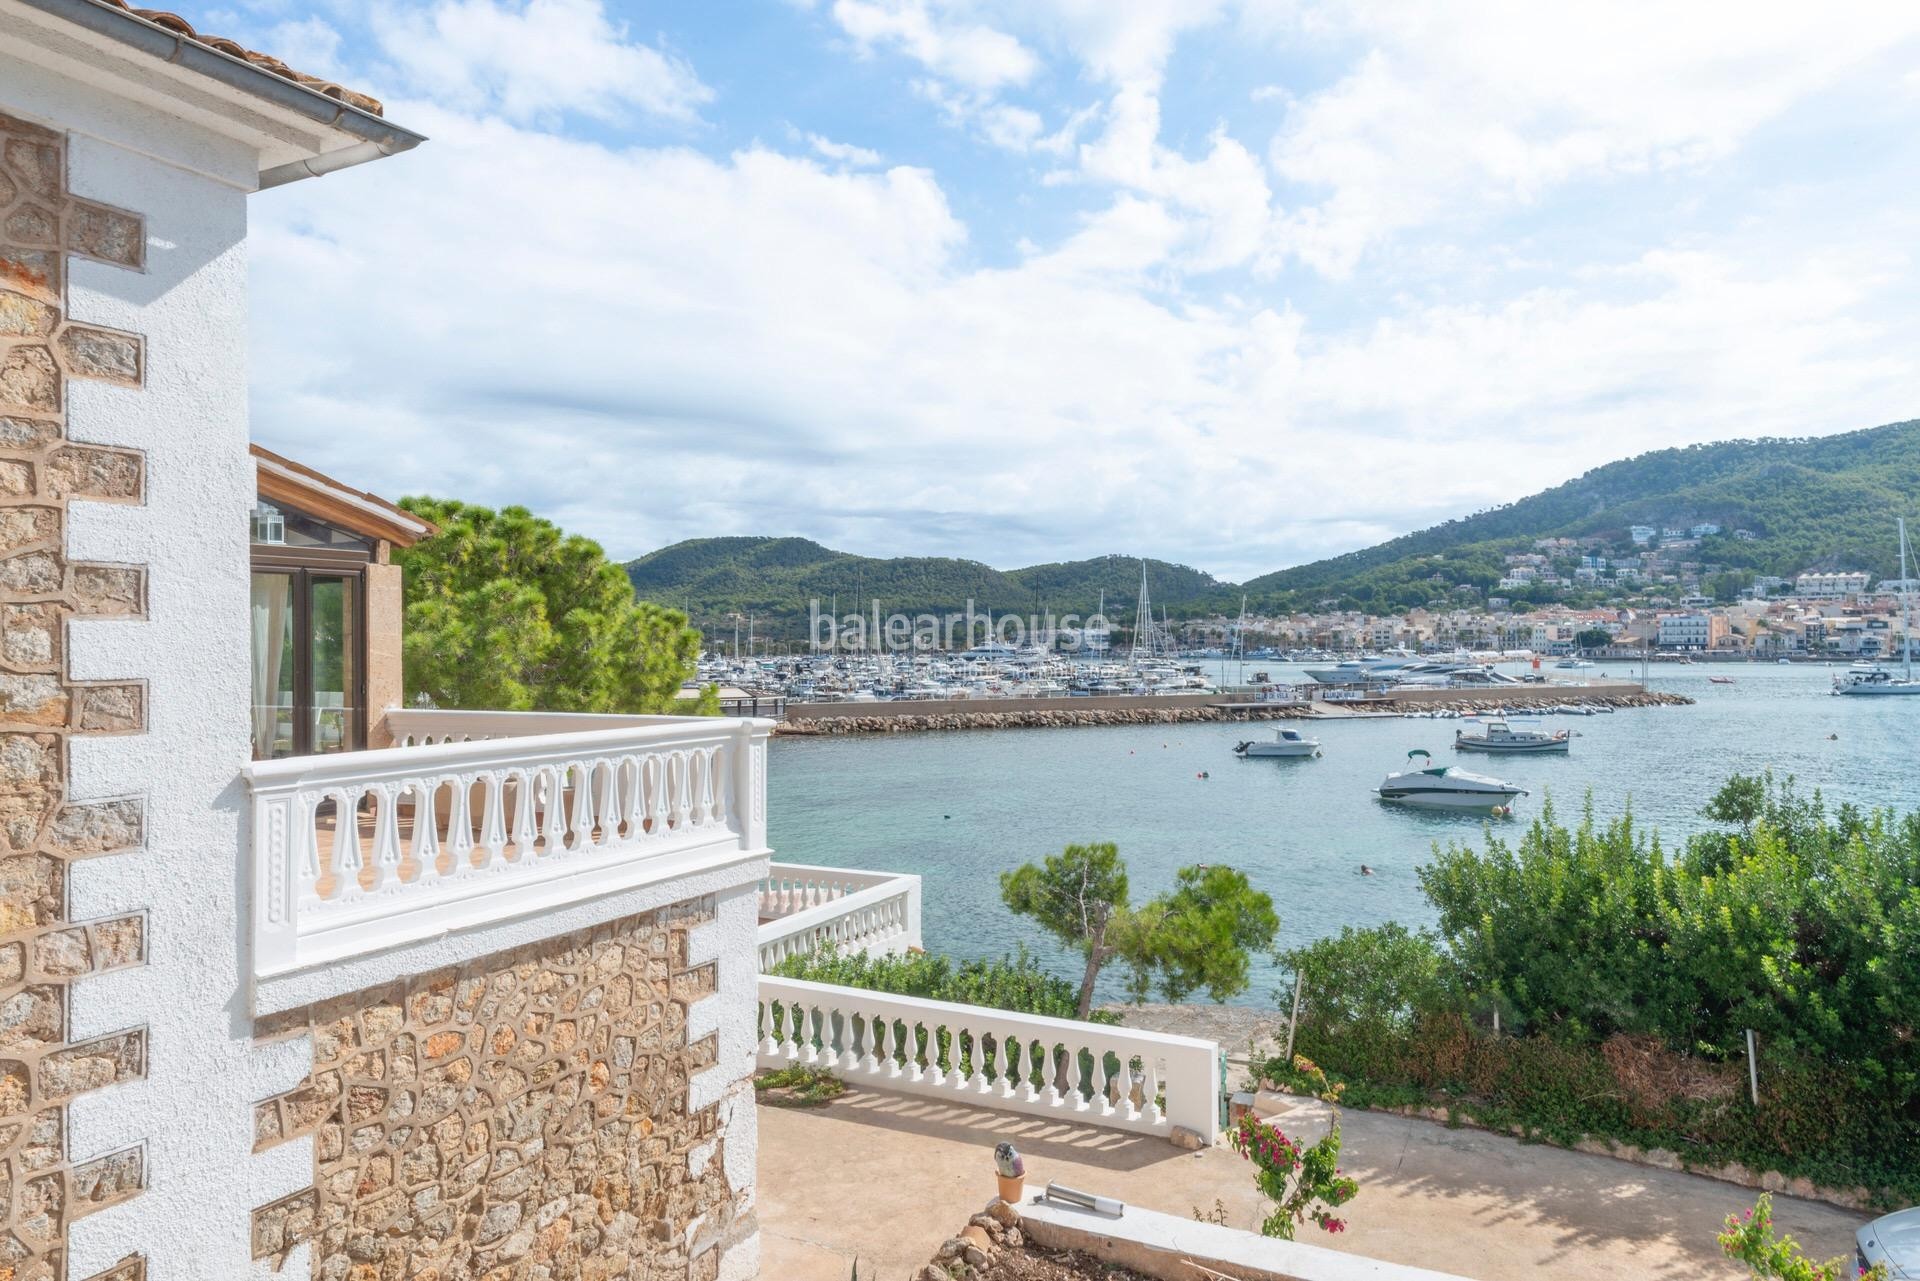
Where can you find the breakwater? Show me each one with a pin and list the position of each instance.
(916, 717)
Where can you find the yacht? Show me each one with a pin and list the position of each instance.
(1498, 736)
(1871, 678)
(1361, 671)
(1572, 664)
(1286, 742)
(1424, 785)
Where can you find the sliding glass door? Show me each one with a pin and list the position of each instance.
(308, 678)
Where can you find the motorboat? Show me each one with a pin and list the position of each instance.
(1285, 742)
(1498, 736)
(1424, 785)
(1720, 680)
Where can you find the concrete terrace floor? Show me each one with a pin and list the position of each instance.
(887, 1177)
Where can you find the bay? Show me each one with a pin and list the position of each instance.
(960, 807)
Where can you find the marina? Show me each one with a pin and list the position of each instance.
(958, 809)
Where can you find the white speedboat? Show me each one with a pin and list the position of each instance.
(1498, 736)
(1286, 742)
(1443, 787)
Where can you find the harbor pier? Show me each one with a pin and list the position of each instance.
(1298, 702)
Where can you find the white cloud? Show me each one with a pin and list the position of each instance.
(970, 54)
(845, 152)
(534, 60)
(648, 343)
(689, 345)
(1458, 111)
(1120, 43)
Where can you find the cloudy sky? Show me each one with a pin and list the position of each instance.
(1234, 283)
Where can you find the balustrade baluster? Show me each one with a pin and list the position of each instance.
(582, 819)
(1151, 1091)
(633, 808)
(524, 832)
(426, 835)
(308, 834)
(493, 818)
(1097, 1098)
(677, 771)
(386, 834)
(347, 863)
(553, 779)
(1006, 1063)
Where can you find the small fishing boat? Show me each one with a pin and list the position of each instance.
(1286, 742)
(1498, 736)
(1424, 785)
(1719, 680)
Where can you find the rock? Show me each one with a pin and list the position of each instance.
(950, 1249)
(1014, 1239)
(1182, 1137)
(976, 1238)
(976, 1257)
(932, 1272)
(1003, 1214)
(1773, 1181)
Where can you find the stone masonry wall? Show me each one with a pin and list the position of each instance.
(520, 1118)
(43, 950)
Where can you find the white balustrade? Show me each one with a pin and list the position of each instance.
(360, 851)
(795, 887)
(803, 908)
(1086, 1073)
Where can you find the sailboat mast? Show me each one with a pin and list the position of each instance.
(1906, 602)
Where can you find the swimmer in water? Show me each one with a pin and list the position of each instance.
(1365, 870)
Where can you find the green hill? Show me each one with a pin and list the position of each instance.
(1825, 502)
(1783, 506)
(775, 579)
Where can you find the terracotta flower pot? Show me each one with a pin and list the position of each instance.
(1010, 1189)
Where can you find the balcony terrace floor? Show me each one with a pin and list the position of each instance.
(886, 1178)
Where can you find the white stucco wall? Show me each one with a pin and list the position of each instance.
(192, 650)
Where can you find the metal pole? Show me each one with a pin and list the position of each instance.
(1753, 1070)
(1293, 1020)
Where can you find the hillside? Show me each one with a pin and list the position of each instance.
(1819, 503)
(775, 578)
(1824, 502)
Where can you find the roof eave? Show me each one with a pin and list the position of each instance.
(374, 136)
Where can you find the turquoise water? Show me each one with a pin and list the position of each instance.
(959, 807)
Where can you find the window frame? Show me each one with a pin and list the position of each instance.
(303, 565)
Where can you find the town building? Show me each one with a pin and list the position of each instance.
(1829, 586)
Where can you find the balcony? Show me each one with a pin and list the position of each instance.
(803, 908)
(483, 817)
(1110, 1077)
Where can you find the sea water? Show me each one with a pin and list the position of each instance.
(960, 807)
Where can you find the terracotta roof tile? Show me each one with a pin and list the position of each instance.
(265, 61)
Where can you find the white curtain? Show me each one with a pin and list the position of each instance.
(272, 597)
